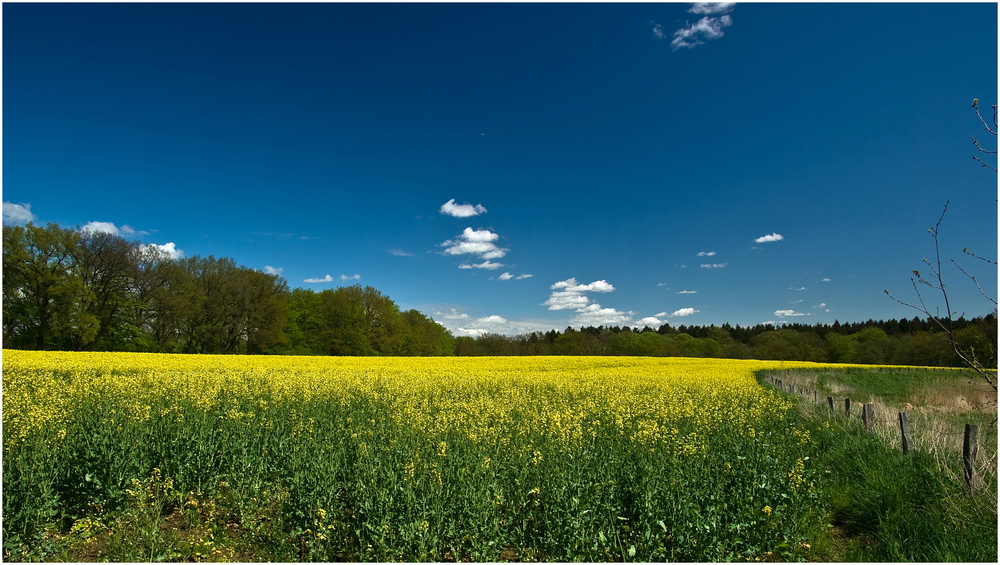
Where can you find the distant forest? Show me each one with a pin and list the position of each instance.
(65, 289)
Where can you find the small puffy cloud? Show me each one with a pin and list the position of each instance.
(327, 278)
(712, 7)
(688, 292)
(507, 276)
(566, 301)
(272, 270)
(484, 265)
(169, 248)
(16, 214)
(399, 253)
(595, 315)
(769, 238)
(658, 31)
(569, 294)
(99, 227)
(129, 230)
(684, 312)
(706, 253)
(649, 321)
(796, 288)
(350, 278)
(461, 210)
(494, 319)
(714, 265)
(475, 242)
(706, 29)
(824, 280)
(472, 332)
(452, 314)
(570, 285)
(787, 313)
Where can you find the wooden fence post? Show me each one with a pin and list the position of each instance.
(969, 449)
(904, 428)
(868, 416)
(829, 400)
(847, 407)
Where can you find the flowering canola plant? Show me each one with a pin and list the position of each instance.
(406, 458)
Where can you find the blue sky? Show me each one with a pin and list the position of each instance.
(521, 167)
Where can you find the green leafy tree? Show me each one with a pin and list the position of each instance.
(41, 294)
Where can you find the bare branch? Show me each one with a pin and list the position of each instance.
(993, 300)
(988, 166)
(967, 252)
(993, 130)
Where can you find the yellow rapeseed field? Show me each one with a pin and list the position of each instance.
(475, 396)
(400, 458)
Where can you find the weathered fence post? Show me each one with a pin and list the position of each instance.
(969, 449)
(829, 400)
(868, 416)
(847, 407)
(904, 428)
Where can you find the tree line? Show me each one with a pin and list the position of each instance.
(85, 290)
(69, 289)
(896, 342)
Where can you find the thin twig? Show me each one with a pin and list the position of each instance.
(967, 252)
(987, 297)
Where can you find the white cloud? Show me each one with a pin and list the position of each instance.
(494, 319)
(684, 312)
(461, 210)
(706, 29)
(794, 288)
(399, 253)
(475, 242)
(484, 265)
(507, 276)
(570, 285)
(688, 292)
(594, 315)
(650, 321)
(706, 253)
(99, 227)
(714, 266)
(658, 31)
(351, 278)
(452, 314)
(769, 238)
(271, 270)
(824, 280)
(327, 278)
(129, 230)
(712, 7)
(474, 332)
(787, 313)
(168, 248)
(568, 294)
(14, 214)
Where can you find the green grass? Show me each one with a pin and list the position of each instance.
(887, 506)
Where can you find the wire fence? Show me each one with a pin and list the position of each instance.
(930, 429)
